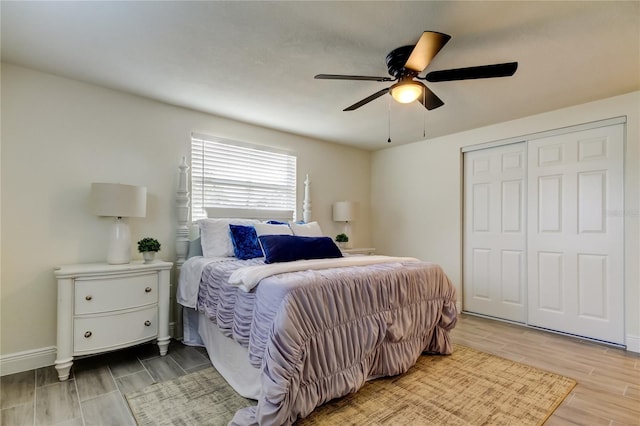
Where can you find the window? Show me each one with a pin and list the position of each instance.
(235, 175)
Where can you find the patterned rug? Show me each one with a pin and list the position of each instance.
(466, 388)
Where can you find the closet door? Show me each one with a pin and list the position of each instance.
(494, 255)
(575, 233)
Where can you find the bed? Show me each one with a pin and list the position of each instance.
(294, 329)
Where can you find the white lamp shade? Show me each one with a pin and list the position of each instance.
(118, 200)
(343, 211)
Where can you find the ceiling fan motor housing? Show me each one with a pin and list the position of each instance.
(396, 59)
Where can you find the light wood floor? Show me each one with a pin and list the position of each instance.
(94, 393)
(608, 390)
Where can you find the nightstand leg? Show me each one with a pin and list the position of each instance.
(163, 312)
(163, 345)
(64, 357)
(64, 368)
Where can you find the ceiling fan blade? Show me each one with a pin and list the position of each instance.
(426, 49)
(483, 71)
(367, 100)
(430, 100)
(351, 77)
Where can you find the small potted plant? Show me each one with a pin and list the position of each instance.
(148, 247)
(342, 240)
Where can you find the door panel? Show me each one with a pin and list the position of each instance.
(512, 212)
(592, 286)
(591, 201)
(481, 203)
(481, 268)
(494, 270)
(550, 285)
(512, 276)
(549, 196)
(575, 244)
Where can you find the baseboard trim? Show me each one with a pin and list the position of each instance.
(27, 360)
(37, 358)
(633, 343)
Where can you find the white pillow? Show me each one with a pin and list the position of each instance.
(272, 229)
(215, 238)
(311, 229)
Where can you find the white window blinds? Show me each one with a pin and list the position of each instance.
(230, 174)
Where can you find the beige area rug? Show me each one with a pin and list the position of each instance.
(466, 388)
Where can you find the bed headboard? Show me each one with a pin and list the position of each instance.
(183, 230)
(182, 205)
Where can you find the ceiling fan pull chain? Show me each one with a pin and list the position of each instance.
(389, 122)
(424, 117)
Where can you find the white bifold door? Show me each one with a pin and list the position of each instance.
(543, 233)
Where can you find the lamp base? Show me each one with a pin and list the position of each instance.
(119, 243)
(347, 231)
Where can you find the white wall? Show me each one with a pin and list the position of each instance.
(417, 197)
(59, 135)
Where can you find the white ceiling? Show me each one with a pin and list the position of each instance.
(255, 61)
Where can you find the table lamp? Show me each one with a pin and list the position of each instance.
(343, 211)
(119, 201)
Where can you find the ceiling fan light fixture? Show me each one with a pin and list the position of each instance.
(406, 91)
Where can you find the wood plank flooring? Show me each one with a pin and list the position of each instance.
(608, 390)
(94, 393)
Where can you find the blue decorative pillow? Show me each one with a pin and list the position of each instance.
(287, 248)
(279, 222)
(245, 242)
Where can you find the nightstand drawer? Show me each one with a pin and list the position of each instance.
(101, 333)
(115, 293)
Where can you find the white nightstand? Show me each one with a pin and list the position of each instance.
(366, 250)
(105, 307)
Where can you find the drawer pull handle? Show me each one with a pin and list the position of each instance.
(147, 290)
(147, 323)
(88, 298)
(87, 334)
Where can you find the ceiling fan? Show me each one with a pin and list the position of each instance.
(407, 62)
